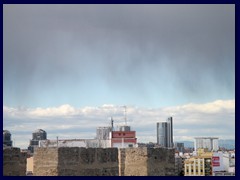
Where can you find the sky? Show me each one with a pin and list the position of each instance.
(63, 65)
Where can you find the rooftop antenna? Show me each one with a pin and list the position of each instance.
(112, 123)
(125, 114)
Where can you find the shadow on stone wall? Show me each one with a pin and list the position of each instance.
(145, 161)
(87, 162)
(75, 161)
(160, 162)
(14, 162)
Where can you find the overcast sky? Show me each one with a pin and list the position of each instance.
(150, 57)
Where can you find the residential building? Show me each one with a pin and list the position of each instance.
(198, 165)
(179, 165)
(204, 164)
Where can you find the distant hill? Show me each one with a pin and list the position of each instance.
(225, 143)
(187, 144)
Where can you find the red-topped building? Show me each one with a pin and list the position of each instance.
(123, 138)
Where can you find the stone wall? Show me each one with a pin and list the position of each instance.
(147, 162)
(45, 162)
(14, 162)
(23, 163)
(75, 161)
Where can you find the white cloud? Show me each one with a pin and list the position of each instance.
(211, 119)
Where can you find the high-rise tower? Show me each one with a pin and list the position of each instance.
(170, 132)
(165, 133)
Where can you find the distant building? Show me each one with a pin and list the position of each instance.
(148, 145)
(211, 143)
(103, 133)
(123, 138)
(204, 164)
(37, 135)
(7, 138)
(229, 162)
(87, 143)
(179, 147)
(179, 166)
(105, 138)
(165, 133)
(198, 166)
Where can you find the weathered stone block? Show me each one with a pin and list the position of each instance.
(14, 162)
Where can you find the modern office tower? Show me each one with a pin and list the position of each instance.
(7, 138)
(165, 133)
(37, 135)
(170, 132)
(162, 134)
(211, 143)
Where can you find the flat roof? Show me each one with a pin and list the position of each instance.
(206, 138)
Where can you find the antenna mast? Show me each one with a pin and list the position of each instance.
(125, 114)
(112, 123)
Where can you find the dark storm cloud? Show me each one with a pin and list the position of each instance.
(189, 47)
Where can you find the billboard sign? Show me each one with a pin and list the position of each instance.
(217, 162)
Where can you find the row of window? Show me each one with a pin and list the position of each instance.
(196, 170)
(120, 134)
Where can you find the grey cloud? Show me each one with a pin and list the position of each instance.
(191, 44)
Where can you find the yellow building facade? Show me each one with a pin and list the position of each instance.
(200, 165)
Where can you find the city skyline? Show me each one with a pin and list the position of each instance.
(63, 63)
(67, 122)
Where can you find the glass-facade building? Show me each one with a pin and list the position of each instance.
(165, 133)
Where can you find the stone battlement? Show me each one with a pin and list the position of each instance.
(14, 162)
(79, 161)
(75, 161)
